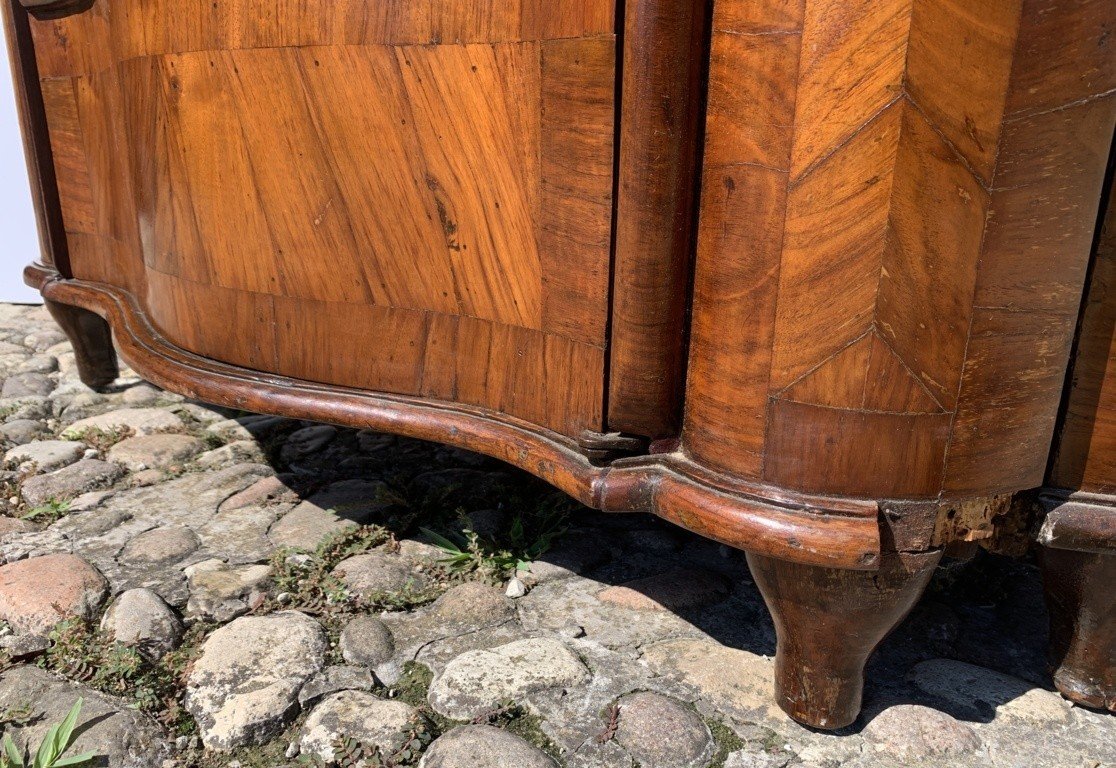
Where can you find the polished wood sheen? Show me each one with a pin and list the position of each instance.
(882, 245)
(369, 190)
(828, 623)
(802, 276)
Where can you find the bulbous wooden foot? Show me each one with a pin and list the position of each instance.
(828, 623)
(92, 341)
(1078, 588)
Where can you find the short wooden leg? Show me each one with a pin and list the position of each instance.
(828, 623)
(92, 341)
(1078, 588)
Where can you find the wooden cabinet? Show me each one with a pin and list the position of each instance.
(802, 277)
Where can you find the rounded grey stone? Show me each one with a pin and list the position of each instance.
(367, 641)
(68, 482)
(23, 431)
(139, 617)
(482, 746)
(660, 732)
(377, 573)
(25, 384)
(46, 455)
(474, 604)
(914, 733)
(161, 545)
(155, 451)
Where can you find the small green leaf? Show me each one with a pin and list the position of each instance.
(12, 752)
(66, 729)
(81, 759)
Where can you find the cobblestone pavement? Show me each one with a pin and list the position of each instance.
(238, 590)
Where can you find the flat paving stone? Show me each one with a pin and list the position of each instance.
(46, 455)
(482, 746)
(477, 680)
(243, 689)
(37, 593)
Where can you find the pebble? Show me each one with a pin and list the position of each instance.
(355, 714)
(139, 617)
(482, 746)
(660, 732)
(244, 686)
(158, 451)
(37, 593)
(46, 455)
(367, 641)
(516, 588)
(477, 680)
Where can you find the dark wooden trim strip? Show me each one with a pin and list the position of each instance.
(36, 138)
(56, 9)
(663, 64)
(1082, 522)
(837, 534)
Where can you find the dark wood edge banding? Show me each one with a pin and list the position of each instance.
(55, 9)
(36, 136)
(1078, 521)
(841, 534)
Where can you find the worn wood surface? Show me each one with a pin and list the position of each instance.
(32, 114)
(412, 198)
(882, 247)
(828, 623)
(663, 63)
(1082, 624)
(1085, 449)
(823, 531)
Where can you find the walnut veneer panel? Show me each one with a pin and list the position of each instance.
(895, 227)
(357, 174)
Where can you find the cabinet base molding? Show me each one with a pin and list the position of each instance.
(1078, 557)
(838, 574)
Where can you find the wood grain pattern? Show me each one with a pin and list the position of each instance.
(823, 531)
(36, 141)
(922, 239)
(356, 174)
(661, 97)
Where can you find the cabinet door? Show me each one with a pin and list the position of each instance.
(897, 210)
(409, 197)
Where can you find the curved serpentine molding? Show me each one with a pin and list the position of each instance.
(834, 533)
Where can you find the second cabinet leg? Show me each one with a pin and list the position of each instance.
(828, 622)
(1082, 624)
(92, 341)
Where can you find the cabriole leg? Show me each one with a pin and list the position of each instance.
(92, 341)
(1078, 588)
(828, 622)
